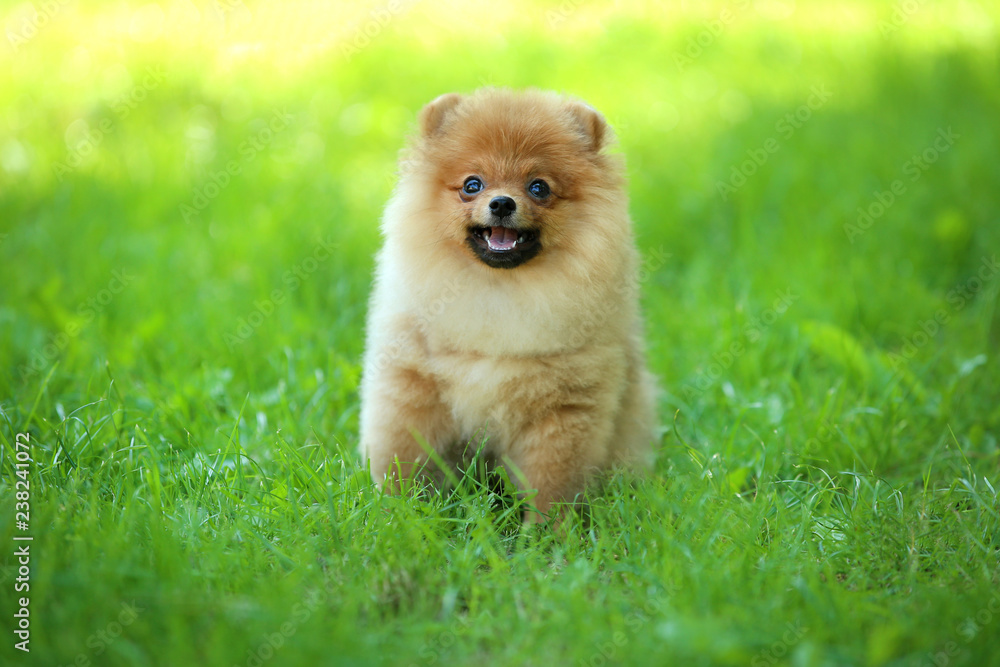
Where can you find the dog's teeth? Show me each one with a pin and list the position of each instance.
(487, 233)
(520, 238)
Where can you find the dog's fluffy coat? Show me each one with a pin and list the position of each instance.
(544, 359)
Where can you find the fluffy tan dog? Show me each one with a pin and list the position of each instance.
(505, 303)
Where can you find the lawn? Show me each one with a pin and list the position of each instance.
(189, 206)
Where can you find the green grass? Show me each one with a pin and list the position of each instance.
(825, 484)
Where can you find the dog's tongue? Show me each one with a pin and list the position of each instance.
(502, 238)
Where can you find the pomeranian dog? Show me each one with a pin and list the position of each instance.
(504, 314)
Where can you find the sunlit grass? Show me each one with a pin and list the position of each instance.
(189, 204)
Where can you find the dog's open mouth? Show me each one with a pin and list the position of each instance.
(504, 239)
(503, 247)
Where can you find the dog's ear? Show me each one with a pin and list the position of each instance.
(595, 129)
(432, 116)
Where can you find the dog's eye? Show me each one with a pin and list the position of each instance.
(539, 188)
(472, 185)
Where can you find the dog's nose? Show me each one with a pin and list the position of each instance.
(502, 206)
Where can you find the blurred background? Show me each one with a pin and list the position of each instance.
(190, 194)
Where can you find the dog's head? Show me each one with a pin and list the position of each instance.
(512, 174)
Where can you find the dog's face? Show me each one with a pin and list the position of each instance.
(510, 172)
(505, 217)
